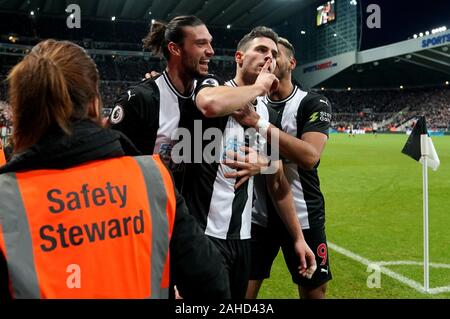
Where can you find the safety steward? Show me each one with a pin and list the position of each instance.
(79, 218)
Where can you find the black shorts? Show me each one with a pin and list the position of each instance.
(266, 243)
(236, 256)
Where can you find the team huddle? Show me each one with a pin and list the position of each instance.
(259, 189)
(188, 190)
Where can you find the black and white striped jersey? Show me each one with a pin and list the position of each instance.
(299, 113)
(149, 114)
(223, 211)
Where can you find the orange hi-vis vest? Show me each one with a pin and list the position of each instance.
(97, 230)
(2, 155)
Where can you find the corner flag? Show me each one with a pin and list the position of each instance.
(420, 147)
(417, 146)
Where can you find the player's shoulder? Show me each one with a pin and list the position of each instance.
(207, 81)
(210, 80)
(135, 99)
(314, 97)
(145, 87)
(140, 92)
(315, 101)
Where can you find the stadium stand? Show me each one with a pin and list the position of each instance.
(391, 108)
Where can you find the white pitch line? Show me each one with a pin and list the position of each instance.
(406, 281)
(410, 263)
(439, 290)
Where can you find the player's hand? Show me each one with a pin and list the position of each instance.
(307, 259)
(177, 293)
(247, 116)
(151, 75)
(246, 166)
(267, 80)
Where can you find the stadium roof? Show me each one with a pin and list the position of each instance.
(427, 67)
(238, 13)
(410, 63)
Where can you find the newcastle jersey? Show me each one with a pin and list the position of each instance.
(299, 113)
(223, 211)
(149, 114)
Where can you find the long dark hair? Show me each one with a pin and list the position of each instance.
(161, 34)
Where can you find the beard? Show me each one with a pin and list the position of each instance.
(191, 67)
(281, 73)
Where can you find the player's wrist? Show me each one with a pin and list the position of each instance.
(260, 88)
(266, 165)
(253, 121)
(262, 125)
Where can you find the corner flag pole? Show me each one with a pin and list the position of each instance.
(426, 268)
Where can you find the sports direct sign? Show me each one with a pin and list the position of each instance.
(321, 66)
(439, 39)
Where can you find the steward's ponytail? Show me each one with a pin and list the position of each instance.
(39, 97)
(53, 85)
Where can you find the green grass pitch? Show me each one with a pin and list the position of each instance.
(373, 196)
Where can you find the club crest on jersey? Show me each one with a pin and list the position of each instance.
(117, 114)
(210, 82)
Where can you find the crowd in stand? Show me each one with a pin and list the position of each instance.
(117, 72)
(359, 108)
(390, 108)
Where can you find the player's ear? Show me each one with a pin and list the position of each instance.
(239, 57)
(174, 49)
(292, 63)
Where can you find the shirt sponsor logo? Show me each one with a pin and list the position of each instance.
(322, 116)
(314, 117)
(233, 145)
(325, 117)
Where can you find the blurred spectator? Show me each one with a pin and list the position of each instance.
(390, 108)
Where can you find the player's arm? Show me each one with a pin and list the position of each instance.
(306, 151)
(280, 191)
(215, 101)
(136, 116)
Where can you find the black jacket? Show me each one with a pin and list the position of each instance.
(196, 264)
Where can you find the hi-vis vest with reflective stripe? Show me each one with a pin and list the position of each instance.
(2, 155)
(98, 230)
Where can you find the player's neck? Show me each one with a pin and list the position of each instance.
(239, 81)
(182, 82)
(242, 79)
(285, 89)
